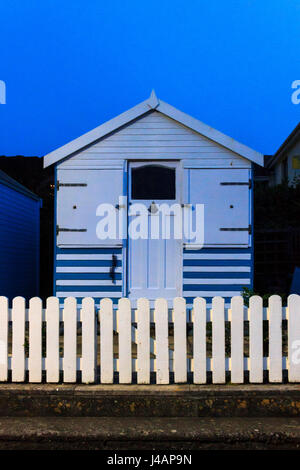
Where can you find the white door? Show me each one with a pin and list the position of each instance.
(154, 257)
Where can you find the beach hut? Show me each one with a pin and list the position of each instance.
(140, 174)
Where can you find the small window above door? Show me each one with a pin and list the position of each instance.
(153, 182)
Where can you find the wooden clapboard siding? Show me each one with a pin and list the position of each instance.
(85, 272)
(159, 109)
(156, 136)
(211, 272)
(206, 273)
(20, 238)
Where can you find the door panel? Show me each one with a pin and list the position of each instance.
(154, 265)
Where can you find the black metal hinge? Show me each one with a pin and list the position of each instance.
(69, 185)
(249, 184)
(242, 229)
(59, 229)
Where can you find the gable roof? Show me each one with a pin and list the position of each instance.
(152, 103)
(289, 141)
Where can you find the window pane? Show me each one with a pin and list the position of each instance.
(153, 182)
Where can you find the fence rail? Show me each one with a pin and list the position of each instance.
(89, 344)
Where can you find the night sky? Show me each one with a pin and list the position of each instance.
(70, 65)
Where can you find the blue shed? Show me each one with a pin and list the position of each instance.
(19, 239)
(157, 160)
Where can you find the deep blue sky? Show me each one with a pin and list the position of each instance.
(70, 65)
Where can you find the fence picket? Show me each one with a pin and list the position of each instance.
(52, 340)
(124, 330)
(162, 341)
(3, 339)
(275, 339)
(89, 340)
(237, 340)
(70, 339)
(199, 341)
(294, 338)
(134, 327)
(143, 341)
(218, 340)
(18, 340)
(106, 341)
(180, 351)
(35, 340)
(256, 339)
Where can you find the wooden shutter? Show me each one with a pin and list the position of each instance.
(225, 194)
(79, 193)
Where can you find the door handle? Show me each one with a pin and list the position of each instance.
(152, 208)
(113, 267)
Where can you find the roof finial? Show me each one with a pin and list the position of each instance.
(153, 100)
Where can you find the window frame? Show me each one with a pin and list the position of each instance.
(177, 165)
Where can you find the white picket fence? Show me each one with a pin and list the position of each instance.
(66, 341)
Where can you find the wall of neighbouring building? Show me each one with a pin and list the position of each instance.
(19, 243)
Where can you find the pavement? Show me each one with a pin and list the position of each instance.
(90, 433)
(149, 417)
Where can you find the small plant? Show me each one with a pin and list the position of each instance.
(247, 293)
(26, 346)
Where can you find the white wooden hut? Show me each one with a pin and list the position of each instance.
(153, 154)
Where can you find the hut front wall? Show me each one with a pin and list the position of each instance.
(86, 267)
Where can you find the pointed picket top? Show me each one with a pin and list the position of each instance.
(153, 100)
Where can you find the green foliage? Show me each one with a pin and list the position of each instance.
(247, 293)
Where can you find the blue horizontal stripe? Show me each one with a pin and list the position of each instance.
(88, 288)
(189, 300)
(91, 251)
(105, 262)
(212, 287)
(96, 299)
(219, 250)
(87, 276)
(214, 262)
(216, 275)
